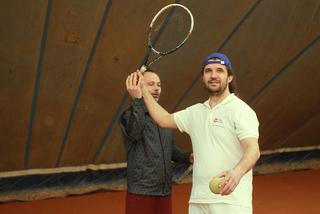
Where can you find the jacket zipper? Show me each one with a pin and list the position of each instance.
(164, 161)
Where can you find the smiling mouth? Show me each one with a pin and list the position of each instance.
(215, 83)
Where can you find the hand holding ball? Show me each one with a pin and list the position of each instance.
(215, 184)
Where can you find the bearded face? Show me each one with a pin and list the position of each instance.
(216, 78)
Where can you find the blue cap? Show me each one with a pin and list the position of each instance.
(223, 60)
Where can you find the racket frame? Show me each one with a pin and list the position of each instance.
(159, 53)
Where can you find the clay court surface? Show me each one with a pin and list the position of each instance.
(293, 192)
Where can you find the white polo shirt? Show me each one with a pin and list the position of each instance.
(216, 134)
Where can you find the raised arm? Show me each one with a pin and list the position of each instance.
(132, 121)
(163, 118)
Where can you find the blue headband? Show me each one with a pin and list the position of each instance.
(223, 60)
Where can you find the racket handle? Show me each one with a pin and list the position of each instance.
(143, 68)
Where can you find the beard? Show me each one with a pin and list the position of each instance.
(217, 90)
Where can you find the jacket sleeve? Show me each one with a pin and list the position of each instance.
(132, 121)
(179, 156)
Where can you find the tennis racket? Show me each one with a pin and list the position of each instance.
(169, 29)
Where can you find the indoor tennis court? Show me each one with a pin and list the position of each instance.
(62, 91)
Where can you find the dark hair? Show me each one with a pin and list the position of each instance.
(232, 85)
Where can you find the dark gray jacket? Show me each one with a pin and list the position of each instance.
(150, 151)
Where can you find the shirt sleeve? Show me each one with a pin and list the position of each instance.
(183, 120)
(246, 124)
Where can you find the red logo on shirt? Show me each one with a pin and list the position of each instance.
(217, 122)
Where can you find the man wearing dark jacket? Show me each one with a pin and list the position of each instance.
(150, 150)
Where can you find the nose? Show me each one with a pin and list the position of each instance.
(157, 88)
(214, 74)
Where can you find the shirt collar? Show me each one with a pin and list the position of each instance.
(224, 101)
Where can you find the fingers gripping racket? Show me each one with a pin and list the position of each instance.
(169, 29)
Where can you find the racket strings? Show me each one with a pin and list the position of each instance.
(170, 29)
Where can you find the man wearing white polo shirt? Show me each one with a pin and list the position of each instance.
(224, 134)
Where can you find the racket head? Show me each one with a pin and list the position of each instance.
(169, 29)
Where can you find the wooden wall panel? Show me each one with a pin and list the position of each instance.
(21, 29)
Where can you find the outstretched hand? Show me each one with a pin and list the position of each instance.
(134, 84)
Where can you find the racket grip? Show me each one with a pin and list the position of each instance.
(143, 68)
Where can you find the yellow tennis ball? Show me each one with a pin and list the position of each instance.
(214, 184)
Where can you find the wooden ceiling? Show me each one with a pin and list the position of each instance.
(63, 66)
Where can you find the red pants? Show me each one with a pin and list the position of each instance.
(143, 204)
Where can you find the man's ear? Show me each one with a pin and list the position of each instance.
(230, 78)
